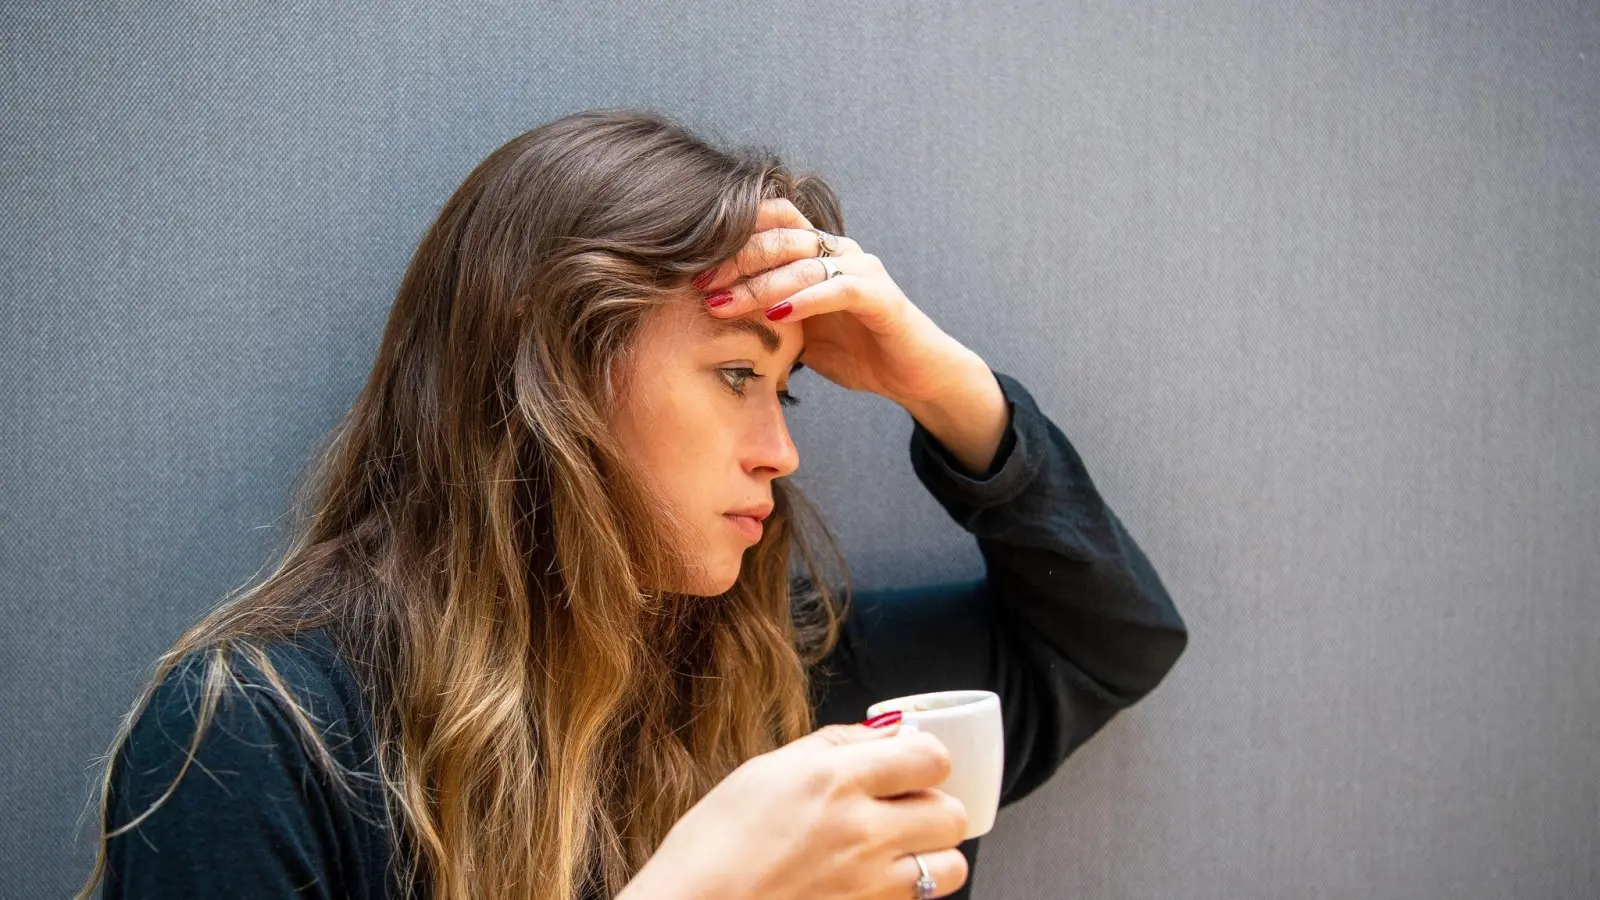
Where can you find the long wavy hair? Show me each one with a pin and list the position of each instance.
(474, 540)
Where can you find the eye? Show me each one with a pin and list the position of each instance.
(744, 374)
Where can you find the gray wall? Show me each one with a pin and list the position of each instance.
(1313, 287)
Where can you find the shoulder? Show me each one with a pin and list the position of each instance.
(226, 714)
(251, 680)
(224, 781)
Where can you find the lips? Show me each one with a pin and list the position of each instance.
(755, 512)
(748, 526)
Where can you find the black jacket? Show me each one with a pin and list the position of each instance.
(1069, 625)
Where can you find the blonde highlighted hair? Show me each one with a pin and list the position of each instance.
(474, 541)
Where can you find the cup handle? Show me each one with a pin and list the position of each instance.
(907, 726)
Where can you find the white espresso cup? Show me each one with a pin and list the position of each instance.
(968, 724)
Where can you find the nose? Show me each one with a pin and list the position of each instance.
(771, 447)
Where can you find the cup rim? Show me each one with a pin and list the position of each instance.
(968, 700)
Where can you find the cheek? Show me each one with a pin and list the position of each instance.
(682, 433)
(654, 416)
(682, 448)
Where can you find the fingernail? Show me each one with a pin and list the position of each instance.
(704, 278)
(719, 298)
(882, 720)
(779, 311)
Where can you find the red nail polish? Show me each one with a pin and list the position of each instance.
(779, 311)
(719, 298)
(704, 278)
(882, 720)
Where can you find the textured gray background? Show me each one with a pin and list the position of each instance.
(1313, 287)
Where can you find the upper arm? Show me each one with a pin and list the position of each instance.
(1069, 625)
(249, 817)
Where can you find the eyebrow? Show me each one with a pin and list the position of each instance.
(769, 338)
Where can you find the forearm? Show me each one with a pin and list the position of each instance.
(1081, 624)
(970, 418)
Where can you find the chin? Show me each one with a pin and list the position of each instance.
(727, 583)
(715, 580)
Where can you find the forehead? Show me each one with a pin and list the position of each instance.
(711, 328)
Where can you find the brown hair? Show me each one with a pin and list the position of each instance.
(474, 540)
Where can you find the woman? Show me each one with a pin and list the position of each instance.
(541, 633)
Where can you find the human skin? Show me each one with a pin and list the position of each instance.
(708, 449)
(704, 448)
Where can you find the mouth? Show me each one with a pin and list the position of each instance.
(759, 511)
(747, 526)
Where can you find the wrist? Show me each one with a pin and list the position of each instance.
(969, 418)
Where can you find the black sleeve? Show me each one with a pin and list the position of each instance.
(1070, 624)
(249, 818)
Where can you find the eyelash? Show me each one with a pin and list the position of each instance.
(784, 397)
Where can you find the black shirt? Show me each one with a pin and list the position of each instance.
(1069, 625)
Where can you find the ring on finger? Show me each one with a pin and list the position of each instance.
(829, 267)
(925, 885)
(827, 244)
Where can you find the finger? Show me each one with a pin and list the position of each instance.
(762, 251)
(766, 289)
(774, 247)
(839, 736)
(909, 762)
(780, 212)
(777, 212)
(947, 867)
(766, 249)
(783, 214)
(923, 820)
(775, 291)
(877, 310)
